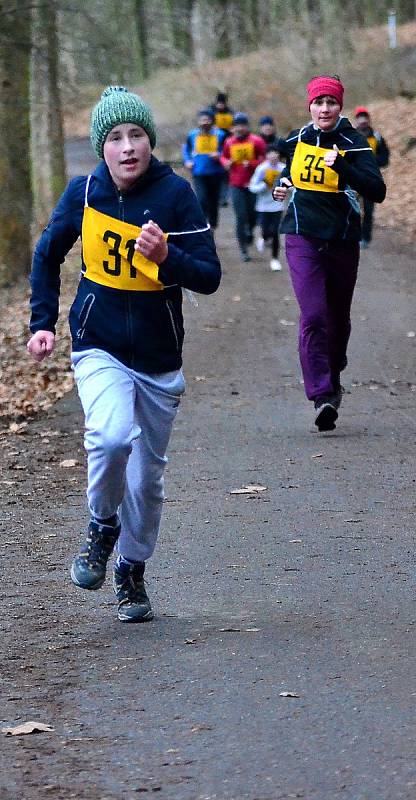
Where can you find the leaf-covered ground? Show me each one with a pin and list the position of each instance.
(396, 120)
(25, 386)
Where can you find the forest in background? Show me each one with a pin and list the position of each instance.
(132, 39)
(57, 55)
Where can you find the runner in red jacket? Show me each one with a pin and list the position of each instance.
(242, 153)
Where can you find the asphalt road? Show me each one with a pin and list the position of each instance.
(305, 588)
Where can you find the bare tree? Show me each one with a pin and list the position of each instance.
(142, 36)
(15, 195)
(47, 141)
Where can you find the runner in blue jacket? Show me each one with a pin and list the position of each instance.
(201, 155)
(144, 239)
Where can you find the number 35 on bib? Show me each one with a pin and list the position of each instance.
(309, 171)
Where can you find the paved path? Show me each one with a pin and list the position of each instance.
(306, 587)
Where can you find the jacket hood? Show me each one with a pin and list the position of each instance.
(155, 172)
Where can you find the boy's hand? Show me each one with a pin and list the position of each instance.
(151, 243)
(41, 344)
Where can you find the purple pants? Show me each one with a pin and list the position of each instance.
(323, 277)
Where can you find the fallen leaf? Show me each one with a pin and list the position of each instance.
(286, 322)
(190, 641)
(236, 298)
(288, 694)
(200, 378)
(251, 488)
(252, 630)
(27, 727)
(16, 427)
(198, 728)
(68, 462)
(295, 541)
(230, 630)
(317, 455)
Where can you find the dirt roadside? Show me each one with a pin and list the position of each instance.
(306, 587)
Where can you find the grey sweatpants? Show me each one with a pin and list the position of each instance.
(128, 422)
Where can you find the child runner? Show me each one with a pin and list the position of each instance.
(223, 118)
(201, 154)
(328, 162)
(269, 212)
(144, 237)
(241, 154)
(381, 154)
(267, 131)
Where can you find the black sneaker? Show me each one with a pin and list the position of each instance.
(326, 414)
(88, 567)
(133, 602)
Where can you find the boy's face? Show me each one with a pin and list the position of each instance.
(240, 129)
(267, 128)
(273, 157)
(127, 153)
(362, 122)
(205, 122)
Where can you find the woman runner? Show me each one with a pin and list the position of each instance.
(328, 163)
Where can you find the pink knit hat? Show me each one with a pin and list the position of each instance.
(317, 87)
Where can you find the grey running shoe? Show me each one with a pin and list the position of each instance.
(326, 414)
(89, 566)
(133, 602)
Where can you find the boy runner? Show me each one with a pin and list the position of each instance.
(143, 239)
(382, 154)
(241, 154)
(269, 212)
(201, 154)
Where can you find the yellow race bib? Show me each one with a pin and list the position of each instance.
(224, 120)
(109, 255)
(270, 176)
(309, 171)
(242, 152)
(206, 144)
(372, 141)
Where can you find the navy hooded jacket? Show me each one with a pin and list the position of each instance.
(143, 329)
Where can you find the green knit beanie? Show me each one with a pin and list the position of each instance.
(118, 105)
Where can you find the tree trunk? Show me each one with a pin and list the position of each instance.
(203, 32)
(15, 194)
(47, 139)
(142, 34)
